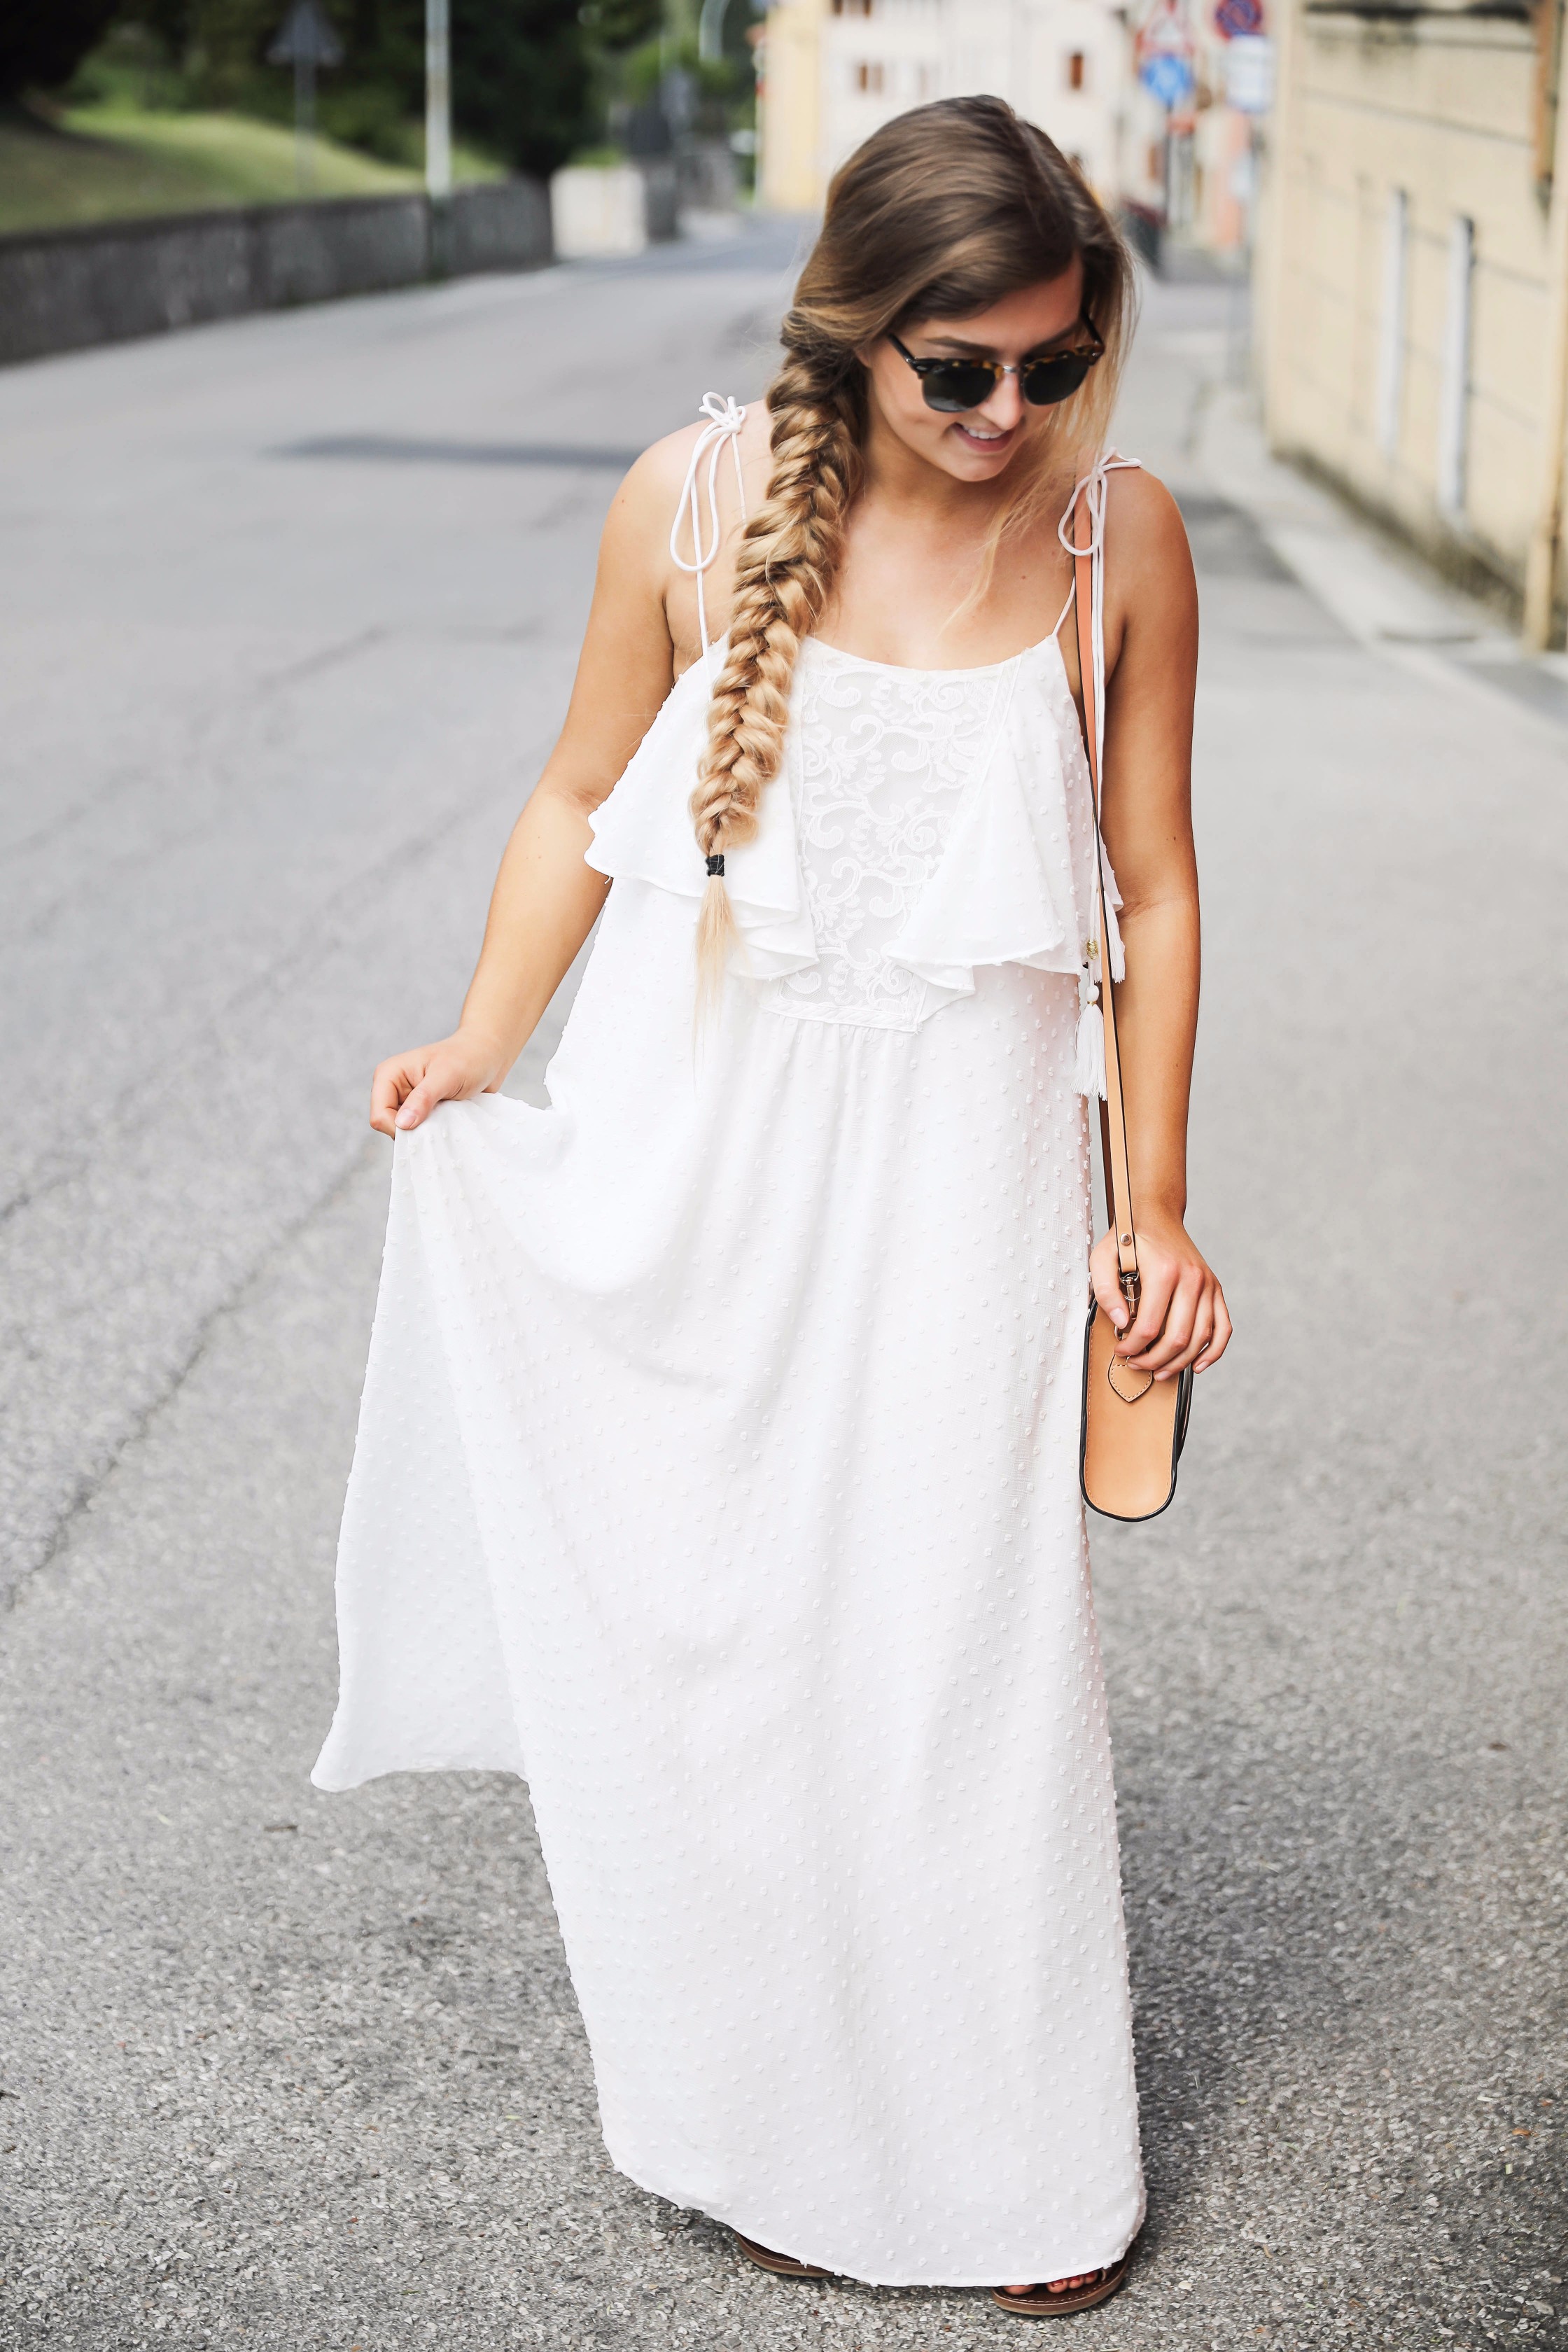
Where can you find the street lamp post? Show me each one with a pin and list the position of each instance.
(438, 102)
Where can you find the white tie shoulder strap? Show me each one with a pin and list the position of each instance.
(725, 417)
(1133, 1426)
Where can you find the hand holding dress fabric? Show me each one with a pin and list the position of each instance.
(407, 1088)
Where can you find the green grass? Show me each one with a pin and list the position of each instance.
(106, 163)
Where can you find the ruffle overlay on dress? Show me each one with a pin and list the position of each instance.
(1015, 883)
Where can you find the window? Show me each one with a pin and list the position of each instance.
(1454, 404)
(872, 79)
(853, 7)
(1076, 70)
(1390, 331)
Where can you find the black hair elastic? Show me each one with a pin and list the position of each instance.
(716, 865)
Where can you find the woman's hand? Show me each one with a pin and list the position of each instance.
(1181, 1315)
(405, 1090)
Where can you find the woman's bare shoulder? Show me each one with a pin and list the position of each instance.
(1149, 534)
(644, 505)
(659, 474)
(651, 484)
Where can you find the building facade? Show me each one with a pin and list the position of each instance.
(1412, 274)
(835, 71)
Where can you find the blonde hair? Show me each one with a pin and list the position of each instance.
(940, 214)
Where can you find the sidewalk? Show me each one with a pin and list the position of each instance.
(1385, 595)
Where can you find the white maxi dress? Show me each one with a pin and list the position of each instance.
(717, 1472)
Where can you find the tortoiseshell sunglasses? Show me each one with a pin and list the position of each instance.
(951, 387)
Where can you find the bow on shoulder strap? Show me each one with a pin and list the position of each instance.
(724, 419)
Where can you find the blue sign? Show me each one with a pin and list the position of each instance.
(1237, 18)
(1168, 77)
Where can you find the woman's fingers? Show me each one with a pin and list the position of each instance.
(1174, 1340)
(1107, 1290)
(407, 1089)
(391, 1083)
(423, 1099)
(1221, 1339)
(1182, 1316)
(454, 1071)
(1158, 1288)
(1176, 1359)
(1198, 1339)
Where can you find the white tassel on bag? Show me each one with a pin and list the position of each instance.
(1088, 1074)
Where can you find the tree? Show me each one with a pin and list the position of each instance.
(520, 73)
(522, 78)
(622, 24)
(40, 47)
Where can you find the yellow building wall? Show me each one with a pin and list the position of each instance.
(789, 176)
(1441, 106)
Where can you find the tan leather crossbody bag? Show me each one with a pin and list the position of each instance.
(1134, 1426)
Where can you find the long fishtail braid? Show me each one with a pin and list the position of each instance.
(783, 576)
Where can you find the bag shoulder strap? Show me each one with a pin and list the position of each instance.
(1089, 596)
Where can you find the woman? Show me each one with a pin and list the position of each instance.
(716, 1462)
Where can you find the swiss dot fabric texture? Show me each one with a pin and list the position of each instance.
(717, 1470)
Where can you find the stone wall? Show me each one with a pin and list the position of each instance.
(62, 289)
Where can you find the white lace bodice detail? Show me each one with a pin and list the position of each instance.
(928, 823)
(879, 762)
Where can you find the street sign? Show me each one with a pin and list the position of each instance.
(1168, 77)
(1164, 55)
(305, 38)
(1236, 19)
(306, 42)
(1249, 74)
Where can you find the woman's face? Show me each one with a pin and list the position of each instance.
(977, 446)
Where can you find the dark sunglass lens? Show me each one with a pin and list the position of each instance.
(957, 385)
(1045, 381)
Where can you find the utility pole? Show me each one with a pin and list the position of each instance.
(438, 102)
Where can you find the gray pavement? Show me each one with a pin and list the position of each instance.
(288, 610)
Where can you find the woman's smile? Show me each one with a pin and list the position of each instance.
(985, 440)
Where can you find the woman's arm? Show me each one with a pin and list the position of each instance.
(1152, 652)
(546, 897)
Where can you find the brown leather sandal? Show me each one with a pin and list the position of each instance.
(781, 2265)
(1040, 2303)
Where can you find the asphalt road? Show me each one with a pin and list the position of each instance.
(288, 612)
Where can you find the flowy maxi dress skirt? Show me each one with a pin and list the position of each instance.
(717, 1472)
